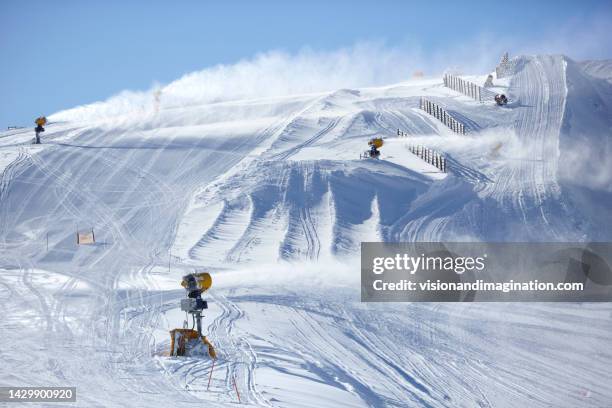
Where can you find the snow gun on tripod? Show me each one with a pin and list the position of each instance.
(185, 341)
(373, 153)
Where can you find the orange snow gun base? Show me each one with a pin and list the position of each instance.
(184, 342)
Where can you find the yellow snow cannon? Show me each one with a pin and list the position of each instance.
(375, 144)
(190, 341)
(201, 281)
(40, 123)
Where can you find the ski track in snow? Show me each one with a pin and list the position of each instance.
(531, 181)
(280, 179)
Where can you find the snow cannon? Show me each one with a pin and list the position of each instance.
(190, 341)
(375, 144)
(40, 121)
(501, 99)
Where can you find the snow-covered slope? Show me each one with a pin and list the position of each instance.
(272, 197)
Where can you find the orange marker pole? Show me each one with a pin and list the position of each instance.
(236, 388)
(210, 376)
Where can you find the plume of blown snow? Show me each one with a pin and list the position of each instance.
(270, 74)
(496, 142)
(328, 272)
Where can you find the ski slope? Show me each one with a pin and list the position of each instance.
(270, 195)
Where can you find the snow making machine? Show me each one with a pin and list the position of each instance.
(375, 144)
(191, 341)
(501, 99)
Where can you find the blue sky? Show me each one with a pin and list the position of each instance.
(59, 54)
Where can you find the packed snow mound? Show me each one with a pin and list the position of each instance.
(302, 209)
(271, 195)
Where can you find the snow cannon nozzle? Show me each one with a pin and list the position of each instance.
(377, 142)
(196, 283)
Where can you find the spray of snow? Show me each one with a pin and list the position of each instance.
(269, 74)
(331, 272)
(587, 165)
(278, 73)
(498, 142)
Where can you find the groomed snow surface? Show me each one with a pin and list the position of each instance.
(270, 195)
